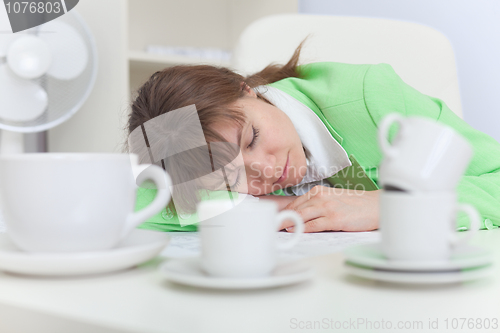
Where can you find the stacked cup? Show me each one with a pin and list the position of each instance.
(419, 175)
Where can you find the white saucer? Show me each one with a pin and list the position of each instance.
(187, 271)
(138, 247)
(416, 277)
(370, 256)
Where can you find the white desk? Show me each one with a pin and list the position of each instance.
(139, 300)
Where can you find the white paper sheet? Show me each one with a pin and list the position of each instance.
(187, 244)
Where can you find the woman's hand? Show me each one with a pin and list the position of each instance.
(282, 201)
(335, 209)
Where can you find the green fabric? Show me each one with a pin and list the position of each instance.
(353, 178)
(159, 222)
(352, 99)
(163, 221)
(278, 192)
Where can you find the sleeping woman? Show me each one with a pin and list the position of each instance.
(308, 137)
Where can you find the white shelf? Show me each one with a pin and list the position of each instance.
(141, 57)
(200, 24)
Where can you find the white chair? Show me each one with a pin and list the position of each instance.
(420, 55)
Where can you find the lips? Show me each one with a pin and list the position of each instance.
(285, 172)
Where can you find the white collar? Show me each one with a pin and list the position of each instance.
(325, 156)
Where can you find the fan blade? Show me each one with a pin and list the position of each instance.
(29, 57)
(22, 100)
(69, 52)
(5, 40)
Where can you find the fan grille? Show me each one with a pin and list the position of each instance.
(65, 96)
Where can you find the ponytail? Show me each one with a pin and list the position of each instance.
(275, 72)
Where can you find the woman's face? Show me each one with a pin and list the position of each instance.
(271, 148)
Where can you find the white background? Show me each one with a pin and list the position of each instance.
(473, 27)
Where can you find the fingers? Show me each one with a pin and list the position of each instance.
(317, 225)
(280, 200)
(310, 212)
(307, 211)
(297, 202)
(329, 211)
(315, 208)
(305, 197)
(309, 206)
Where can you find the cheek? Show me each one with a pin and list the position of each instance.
(301, 164)
(255, 186)
(287, 131)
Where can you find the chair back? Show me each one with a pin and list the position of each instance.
(421, 56)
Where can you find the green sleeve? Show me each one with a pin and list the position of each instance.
(279, 192)
(163, 221)
(167, 220)
(385, 93)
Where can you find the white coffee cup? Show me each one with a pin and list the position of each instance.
(240, 241)
(70, 202)
(421, 226)
(424, 155)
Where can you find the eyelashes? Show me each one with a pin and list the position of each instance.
(255, 136)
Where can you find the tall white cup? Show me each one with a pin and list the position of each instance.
(67, 202)
(421, 226)
(424, 155)
(240, 241)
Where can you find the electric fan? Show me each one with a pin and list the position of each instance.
(46, 74)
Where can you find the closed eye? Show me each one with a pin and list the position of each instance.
(254, 137)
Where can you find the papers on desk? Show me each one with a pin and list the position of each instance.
(187, 244)
(316, 244)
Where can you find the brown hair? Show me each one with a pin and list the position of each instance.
(213, 90)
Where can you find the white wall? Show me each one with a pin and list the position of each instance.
(97, 126)
(473, 28)
(196, 23)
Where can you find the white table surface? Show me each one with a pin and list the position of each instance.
(140, 300)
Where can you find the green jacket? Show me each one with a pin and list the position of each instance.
(351, 100)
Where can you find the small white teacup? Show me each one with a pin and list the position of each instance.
(424, 156)
(422, 226)
(240, 241)
(71, 202)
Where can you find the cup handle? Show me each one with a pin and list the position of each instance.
(298, 228)
(474, 224)
(383, 132)
(163, 182)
